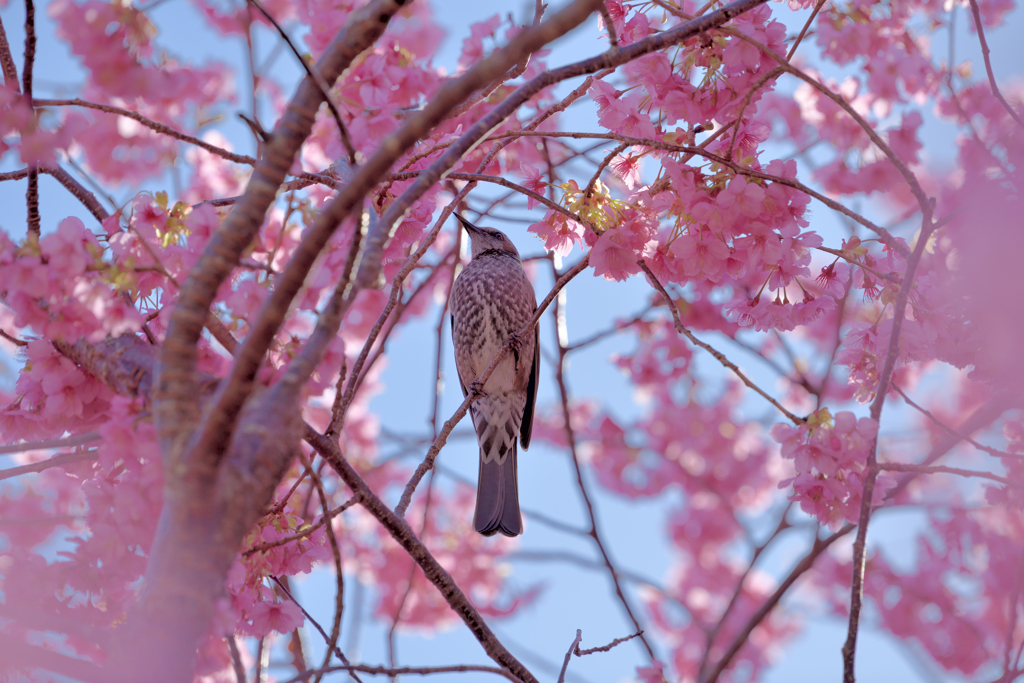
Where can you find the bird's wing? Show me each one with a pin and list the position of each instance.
(531, 391)
(462, 381)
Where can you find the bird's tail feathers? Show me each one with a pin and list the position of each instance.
(497, 496)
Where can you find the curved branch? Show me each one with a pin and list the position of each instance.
(976, 11)
(719, 356)
(161, 128)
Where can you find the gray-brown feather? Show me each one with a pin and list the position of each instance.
(490, 300)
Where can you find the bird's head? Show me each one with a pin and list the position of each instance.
(487, 239)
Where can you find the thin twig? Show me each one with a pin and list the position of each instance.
(884, 234)
(306, 531)
(152, 125)
(738, 591)
(603, 165)
(403, 670)
(976, 11)
(743, 635)
(605, 648)
(803, 31)
(314, 73)
(338, 415)
(55, 461)
(399, 529)
(949, 430)
(316, 625)
(942, 469)
(339, 599)
(11, 338)
(69, 442)
(575, 644)
(719, 356)
(884, 381)
(570, 435)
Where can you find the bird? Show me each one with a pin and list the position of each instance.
(490, 302)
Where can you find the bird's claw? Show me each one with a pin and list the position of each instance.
(476, 388)
(515, 345)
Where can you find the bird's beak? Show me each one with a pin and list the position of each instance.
(473, 230)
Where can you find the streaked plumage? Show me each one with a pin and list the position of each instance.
(490, 300)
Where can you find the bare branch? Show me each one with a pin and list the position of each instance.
(942, 469)
(7, 61)
(69, 442)
(820, 545)
(605, 648)
(311, 70)
(572, 647)
(570, 435)
(434, 572)
(884, 379)
(331, 646)
(719, 356)
(55, 461)
(949, 430)
(403, 670)
(161, 128)
(976, 11)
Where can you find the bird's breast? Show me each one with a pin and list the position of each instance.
(491, 299)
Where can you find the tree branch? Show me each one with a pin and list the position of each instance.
(434, 572)
(976, 11)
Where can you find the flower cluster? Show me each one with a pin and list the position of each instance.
(830, 456)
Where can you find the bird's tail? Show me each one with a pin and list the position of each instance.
(497, 496)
